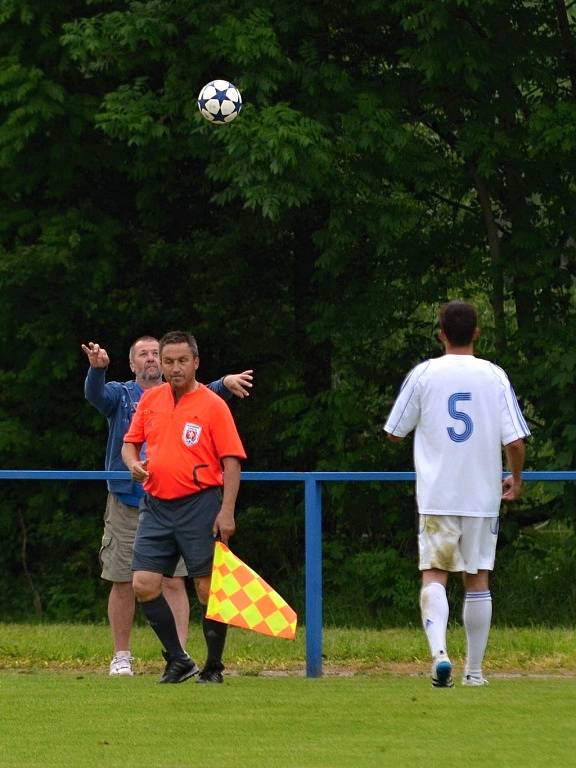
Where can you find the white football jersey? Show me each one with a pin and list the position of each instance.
(463, 410)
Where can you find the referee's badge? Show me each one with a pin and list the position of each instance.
(191, 434)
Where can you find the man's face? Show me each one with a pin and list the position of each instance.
(145, 361)
(179, 365)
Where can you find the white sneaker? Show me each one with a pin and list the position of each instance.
(474, 680)
(442, 671)
(121, 665)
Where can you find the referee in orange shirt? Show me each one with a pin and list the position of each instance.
(191, 477)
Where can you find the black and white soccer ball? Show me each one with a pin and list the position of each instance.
(219, 101)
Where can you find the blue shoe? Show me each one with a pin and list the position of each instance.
(442, 671)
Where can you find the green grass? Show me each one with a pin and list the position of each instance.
(374, 707)
(87, 647)
(64, 720)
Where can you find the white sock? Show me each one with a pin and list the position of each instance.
(122, 654)
(477, 616)
(434, 609)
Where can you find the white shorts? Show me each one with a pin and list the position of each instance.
(457, 543)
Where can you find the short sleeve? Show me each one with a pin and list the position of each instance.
(135, 433)
(513, 425)
(405, 412)
(224, 433)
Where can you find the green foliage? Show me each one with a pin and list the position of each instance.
(374, 587)
(274, 144)
(388, 157)
(536, 576)
(128, 115)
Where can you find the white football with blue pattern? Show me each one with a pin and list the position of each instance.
(219, 102)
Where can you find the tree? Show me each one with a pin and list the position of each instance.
(387, 158)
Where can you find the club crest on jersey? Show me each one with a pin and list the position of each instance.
(191, 434)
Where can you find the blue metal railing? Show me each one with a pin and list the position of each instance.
(312, 525)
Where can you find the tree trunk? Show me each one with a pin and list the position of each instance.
(493, 236)
(567, 42)
(36, 599)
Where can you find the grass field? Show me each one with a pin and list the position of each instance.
(374, 707)
(87, 647)
(66, 719)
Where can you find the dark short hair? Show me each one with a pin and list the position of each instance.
(140, 338)
(458, 320)
(179, 337)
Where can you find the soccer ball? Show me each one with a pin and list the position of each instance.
(219, 101)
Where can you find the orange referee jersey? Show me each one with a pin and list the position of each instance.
(185, 441)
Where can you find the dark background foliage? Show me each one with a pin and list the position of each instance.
(388, 157)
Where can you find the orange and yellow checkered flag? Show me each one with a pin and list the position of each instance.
(240, 597)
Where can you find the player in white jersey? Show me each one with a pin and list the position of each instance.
(463, 410)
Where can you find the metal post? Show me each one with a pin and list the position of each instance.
(313, 528)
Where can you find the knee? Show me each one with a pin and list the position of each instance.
(122, 589)
(202, 586)
(477, 582)
(174, 585)
(146, 586)
(434, 575)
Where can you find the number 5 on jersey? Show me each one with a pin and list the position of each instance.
(459, 437)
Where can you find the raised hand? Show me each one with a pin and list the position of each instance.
(97, 355)
(239, 384)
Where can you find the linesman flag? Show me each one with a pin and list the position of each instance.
(240, 597)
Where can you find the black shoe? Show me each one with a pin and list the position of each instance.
(179, 669)
(211, 675)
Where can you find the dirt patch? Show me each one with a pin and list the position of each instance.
(399, 669)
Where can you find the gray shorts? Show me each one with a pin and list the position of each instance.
(117, 550)
(170, 528)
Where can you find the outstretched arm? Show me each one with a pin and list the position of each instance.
(101, 394)
(239, 384)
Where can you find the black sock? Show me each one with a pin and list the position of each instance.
(161, 619)
(215, 636)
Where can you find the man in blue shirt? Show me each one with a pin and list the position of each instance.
(117, 401)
